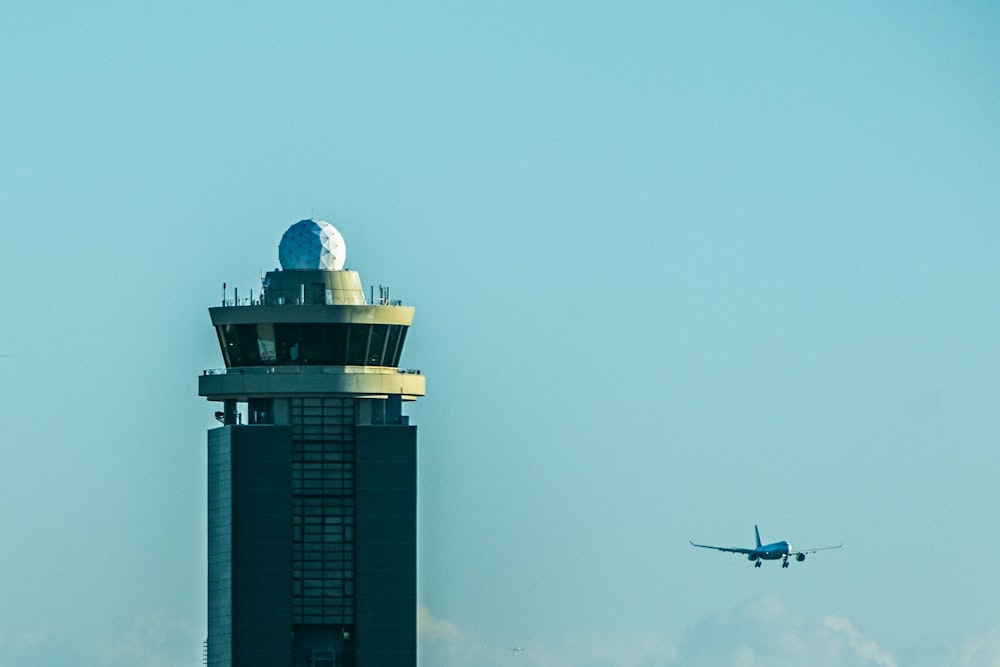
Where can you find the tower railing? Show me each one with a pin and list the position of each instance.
(297, 368)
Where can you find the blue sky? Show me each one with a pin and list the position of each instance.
(677, 270)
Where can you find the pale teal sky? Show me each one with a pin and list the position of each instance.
(677, 270)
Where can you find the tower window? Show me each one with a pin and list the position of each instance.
(335, 344)
(260, 411)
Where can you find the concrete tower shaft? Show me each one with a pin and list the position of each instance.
(312, 497)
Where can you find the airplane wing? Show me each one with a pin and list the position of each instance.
(735, 550)
(813, 550)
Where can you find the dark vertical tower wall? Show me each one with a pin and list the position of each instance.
(312, 497)
(387, 544)
(250, 566)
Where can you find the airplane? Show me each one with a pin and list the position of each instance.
(772, 551)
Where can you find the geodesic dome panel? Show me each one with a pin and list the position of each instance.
(312, 244)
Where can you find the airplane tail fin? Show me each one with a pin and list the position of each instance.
(757, 535)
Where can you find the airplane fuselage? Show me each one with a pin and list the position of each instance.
(773, 551)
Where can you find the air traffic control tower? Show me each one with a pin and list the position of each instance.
(312, 476)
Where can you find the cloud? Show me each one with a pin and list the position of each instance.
(765, 632)
(445, 644)
(981, 649)
(757, 633)
(18, 647)
(626, 648)
(862, 647)
(39, 647)
(154, 641)
(978, 651)
(435, 629)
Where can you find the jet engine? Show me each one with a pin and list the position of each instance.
(752, 557)
(800, 557)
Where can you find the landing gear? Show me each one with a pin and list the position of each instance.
(784, 563)
(757, 564)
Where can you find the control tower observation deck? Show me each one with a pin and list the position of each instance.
(312, 497)
(311, 331)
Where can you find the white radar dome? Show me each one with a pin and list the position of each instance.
(312, 245)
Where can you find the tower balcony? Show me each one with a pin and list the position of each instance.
(248, 383)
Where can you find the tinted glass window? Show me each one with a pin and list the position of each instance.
(376, 347)
(241, 344)
(399, 347)
(336, 341)
(265, 343)
(357, 346)
(313, 344)
(311, 347)
(391, 345)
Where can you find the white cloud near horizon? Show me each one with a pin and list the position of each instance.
(154, 641)
(759, 632)
(982, 650)
(977, 649)
(765, 631)
(756, 633)
(445, 644)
